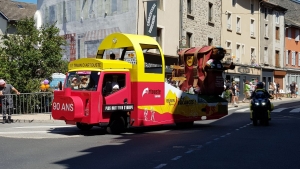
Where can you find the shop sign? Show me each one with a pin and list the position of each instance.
(244, 70)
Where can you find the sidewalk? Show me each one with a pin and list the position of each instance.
(33, 118)
(284, 100)
(47, 118)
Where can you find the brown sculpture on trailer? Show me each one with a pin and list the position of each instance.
(203, 68)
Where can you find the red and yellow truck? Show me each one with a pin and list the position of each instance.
(117, 94)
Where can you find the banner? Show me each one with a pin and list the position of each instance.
(151, 19)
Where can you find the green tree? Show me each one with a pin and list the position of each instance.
(31, 55)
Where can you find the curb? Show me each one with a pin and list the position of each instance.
(34, 121)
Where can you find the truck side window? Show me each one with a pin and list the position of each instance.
(113, 82)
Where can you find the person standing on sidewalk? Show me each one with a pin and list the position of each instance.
(293, 89)
(6, 99)
(246, 91)
(277, 90)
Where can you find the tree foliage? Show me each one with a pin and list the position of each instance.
(31, 55)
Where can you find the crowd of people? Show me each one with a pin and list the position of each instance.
(232, 91)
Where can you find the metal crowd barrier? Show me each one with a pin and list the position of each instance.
(27, 103)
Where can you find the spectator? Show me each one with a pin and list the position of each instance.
(6, 99)
(246, 91)
(296, 90)
(233, 94)
(271, 89)
(293, 89)
(277, 90)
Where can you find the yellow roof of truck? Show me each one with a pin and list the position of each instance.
(93, 64)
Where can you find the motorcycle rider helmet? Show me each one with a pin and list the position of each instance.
(259, 85)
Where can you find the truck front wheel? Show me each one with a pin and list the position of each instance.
(84, 127)
(116, 126)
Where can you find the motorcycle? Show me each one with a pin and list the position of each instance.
(261, 108)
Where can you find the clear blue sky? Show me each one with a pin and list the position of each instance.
(30, 1)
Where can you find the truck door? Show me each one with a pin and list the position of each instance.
(116, 88)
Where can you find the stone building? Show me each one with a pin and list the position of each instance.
(271, 42)
(200, 22)
(292, 48)
(84, 23)
(240, 36)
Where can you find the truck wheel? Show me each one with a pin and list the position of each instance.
(267, 122)
(254, 121)
(117, 126)
(83, 127)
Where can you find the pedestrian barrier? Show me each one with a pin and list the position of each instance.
(26, 103)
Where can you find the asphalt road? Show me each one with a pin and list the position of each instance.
(229, 143)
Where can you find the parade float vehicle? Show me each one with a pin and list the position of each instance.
(142, 97)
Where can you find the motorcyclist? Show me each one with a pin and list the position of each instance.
(262, 93)
(259, 90)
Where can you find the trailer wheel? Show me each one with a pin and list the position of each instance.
(254, 121)
(116, 126)
(83, 126)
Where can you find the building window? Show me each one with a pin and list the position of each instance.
(289, 33)
(253, 56)
(189, 6)
(277, 17)
(277, 33)
(266, 30)
(297, 35)
(160, 4)
(210, 12)
(252, 6)
(252, 28)
(210, 41)
(266, 55)
(298, 58)
(189, 39)
(243, 51)
(238, 24)
(238, 52)
(234, 2)
(266, 13)
(277, 63)
(293, 58)
(228, 45)
(228, 21)
(287, 57)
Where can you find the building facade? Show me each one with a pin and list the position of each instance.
(84, 23)
(240, 36)
(272, 42)
(292, 49)
(200, 22)
(291, 56)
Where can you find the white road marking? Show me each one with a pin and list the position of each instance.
(295, 110)
(189, 151)
(200, 146)
(176, 158)
(278, 110)
(243, 110)
(232, 108)
(237, 129)
(31, 132)
(160, 166)
(216, 139)
(228, 133)
(223, 136)
(208, 142)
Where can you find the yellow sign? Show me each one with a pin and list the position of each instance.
(98, 64)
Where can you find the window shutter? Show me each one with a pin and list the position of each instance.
(287, 57)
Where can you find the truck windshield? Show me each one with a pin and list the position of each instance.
(83, 80)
